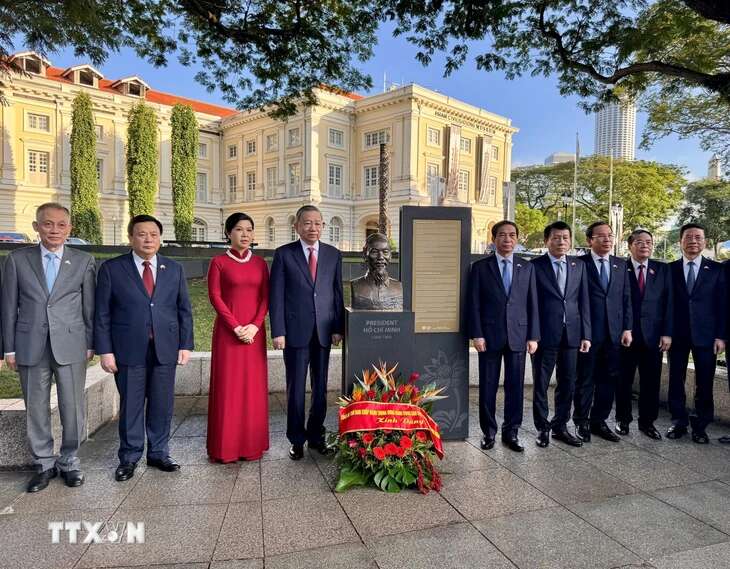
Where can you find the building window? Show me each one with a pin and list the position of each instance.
(272, 179)
(134, 89)
(232, 151)
(465, 145)
(434, 137)
(294, 137)
(250, 147)
(492, 191)
(495, 153)
(433, 183)
(463, 180)
(38, 122)
(201, 187)
(100, 173)
(336, 138)
(200, 230)
(377, 137)
(202, 150)
(38, 167)
(33, 66)
(294, 178)
(334, 181)
(99, 132)
(272, 142)
(86, 78)
(270, 232)
(335, 231)
(250, 186)
(232, 183)
(292, 230)
(371, 181)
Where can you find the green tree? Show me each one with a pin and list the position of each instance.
(142, 160)
(707, 202)
(531, 223)
(184, 140)
(85, 214)
(650, 192)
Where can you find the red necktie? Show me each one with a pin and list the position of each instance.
(313, 263)
(642, 282)
(149, 282)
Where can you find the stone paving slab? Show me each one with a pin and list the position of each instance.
(708, 502)
(710, 557)
(346, 556)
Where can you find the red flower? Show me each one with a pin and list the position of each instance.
(391, 449)
(362, 452)
(352, 443)
(367, 438)
(406, 442)
(421, 436)
(379, 453)
(371, 394)
(401, 390)
(400, 452)
(414, 377)
(385, 397)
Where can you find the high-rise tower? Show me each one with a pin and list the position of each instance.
(616, 130)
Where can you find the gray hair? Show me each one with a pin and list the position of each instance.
(304, 209)
(50, 205)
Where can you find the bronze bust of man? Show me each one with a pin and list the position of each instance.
(375, 290)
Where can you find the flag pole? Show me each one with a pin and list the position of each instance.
(575, 180)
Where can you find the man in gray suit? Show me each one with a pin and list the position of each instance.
(48, 323)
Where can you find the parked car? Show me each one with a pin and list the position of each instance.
(14, 237)
(76, 241)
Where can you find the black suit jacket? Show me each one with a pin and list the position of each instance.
(574, 307)
(610, 311)
(499, 319)
(653, 314)
(700, 317)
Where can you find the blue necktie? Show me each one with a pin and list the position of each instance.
(51, 271)
(603, 275)
(506, 277)
(560, 276)
(691, 276)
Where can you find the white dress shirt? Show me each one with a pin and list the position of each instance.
(636, 264)
(140, 267)
(45, 261)
(305, 248)
(698, 263)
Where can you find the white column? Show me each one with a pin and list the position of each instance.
(283, 174)
(7, 175)
(120, 159)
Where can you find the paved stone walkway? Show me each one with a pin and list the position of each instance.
(639, 503)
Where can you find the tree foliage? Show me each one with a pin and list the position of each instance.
(531, 223)
(142, 160)
(650, 192)
(85, 214)
(707, 202)
(257, 52)
(184, 139)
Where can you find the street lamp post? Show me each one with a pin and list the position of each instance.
(114, 223)
(617, 224)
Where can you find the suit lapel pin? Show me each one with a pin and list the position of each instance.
(518, 265)
(706, 267)
(67, 262)
(615, 266)
(162, 267)
(572, 264)
(651, 271)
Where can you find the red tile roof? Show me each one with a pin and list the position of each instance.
(55, 74)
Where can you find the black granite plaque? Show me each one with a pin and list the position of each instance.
(375, 335)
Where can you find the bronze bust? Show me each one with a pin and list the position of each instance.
(376, 290)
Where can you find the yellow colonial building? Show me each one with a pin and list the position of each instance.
(442, 152)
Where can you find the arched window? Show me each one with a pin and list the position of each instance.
(200, 229)
(270, 232)
(292, 231)
(370, 228)
(335, 231)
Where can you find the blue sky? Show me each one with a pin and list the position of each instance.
(547, 121)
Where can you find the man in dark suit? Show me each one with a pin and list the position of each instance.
(611, 322)
(652, 305)
(565, 328)
(143, 329)
(700, 319)
(504, 323)
(726, 439)
(307, 316)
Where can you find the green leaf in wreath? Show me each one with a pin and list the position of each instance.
(349, 478)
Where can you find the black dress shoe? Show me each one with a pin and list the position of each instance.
(565, 436)
(166, 464)
(700, 437)
(124, 471)
(651, 432)
(543, 439)
(73, 478)
(602, 430)
(584, 433)
(724, 440)
(41, 480)
(513, 443)
(296, 452)
(622, 428)
(487, 443)
(322, 448)
(676, 432)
